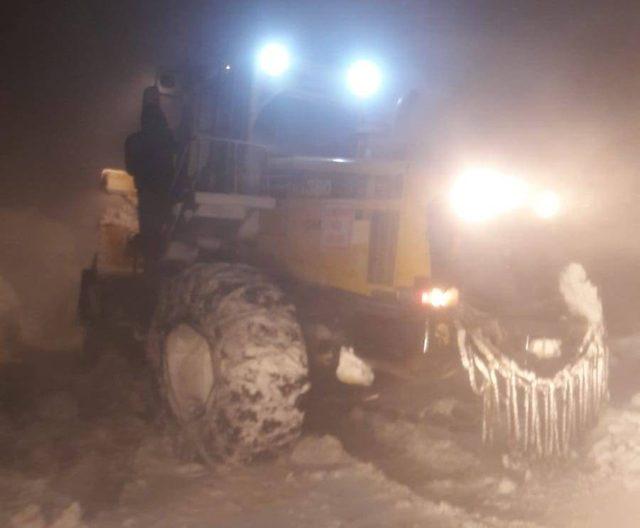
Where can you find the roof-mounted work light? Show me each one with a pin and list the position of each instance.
(274, 59)
(364, 78)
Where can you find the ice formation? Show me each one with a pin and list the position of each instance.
(536, 414)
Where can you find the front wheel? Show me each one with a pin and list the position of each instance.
(231, 361)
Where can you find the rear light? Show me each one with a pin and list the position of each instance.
(439, 298)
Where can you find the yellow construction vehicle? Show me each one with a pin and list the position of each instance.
(279, 213)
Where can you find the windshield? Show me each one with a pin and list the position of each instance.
(309, 127)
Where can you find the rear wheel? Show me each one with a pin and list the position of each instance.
(231, 361)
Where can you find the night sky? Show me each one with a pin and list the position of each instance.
(550, 84)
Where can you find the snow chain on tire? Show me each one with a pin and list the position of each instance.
(257, 359)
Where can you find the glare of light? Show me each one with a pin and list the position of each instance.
(546, 204)
(274, 59)
(481, 194)
(439, 298)
(227, 67)
(364, 78)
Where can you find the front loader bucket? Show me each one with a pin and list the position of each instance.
(540, 406)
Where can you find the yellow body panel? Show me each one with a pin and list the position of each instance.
(117, 181)
(327, 240)
(118, 224)
(412, 257)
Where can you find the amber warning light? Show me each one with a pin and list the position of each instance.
(439, 297)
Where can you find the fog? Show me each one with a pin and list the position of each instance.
(74, 75)
(126, 429)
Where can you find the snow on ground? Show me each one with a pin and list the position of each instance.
(431, 447)
(81, 451)
(86, 446)
(443, 465)
(318, 485)
(615, 444)
(616, 449)
(86, 443)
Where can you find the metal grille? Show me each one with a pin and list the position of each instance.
(226, 165)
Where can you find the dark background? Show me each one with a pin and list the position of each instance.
(546, 83)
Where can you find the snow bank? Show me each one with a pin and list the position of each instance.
(39, 272)
(616, 453)
(580, 294)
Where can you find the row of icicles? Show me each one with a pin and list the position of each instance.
(540, 416)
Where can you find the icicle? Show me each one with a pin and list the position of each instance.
(593, 377)
(581, 391)
(516, 410)
(526, 394)
(482, 369)
(601, 380)
(486, 402)
(573, 406)
(493, 420)
(605, 375)
(564, 434)
(546, 420)
(496, 390)
(535, 423)
(597, 381)
(555, 442)
(467, 359)
(554, 411)
(587, 398)
(507, 411)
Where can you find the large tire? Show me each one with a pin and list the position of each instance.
(231, 361)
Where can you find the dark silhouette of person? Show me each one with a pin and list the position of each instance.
(149, 157)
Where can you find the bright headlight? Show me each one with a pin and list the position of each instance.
(482, 194)
(364, 78)
(274, 59)
(546, 204)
